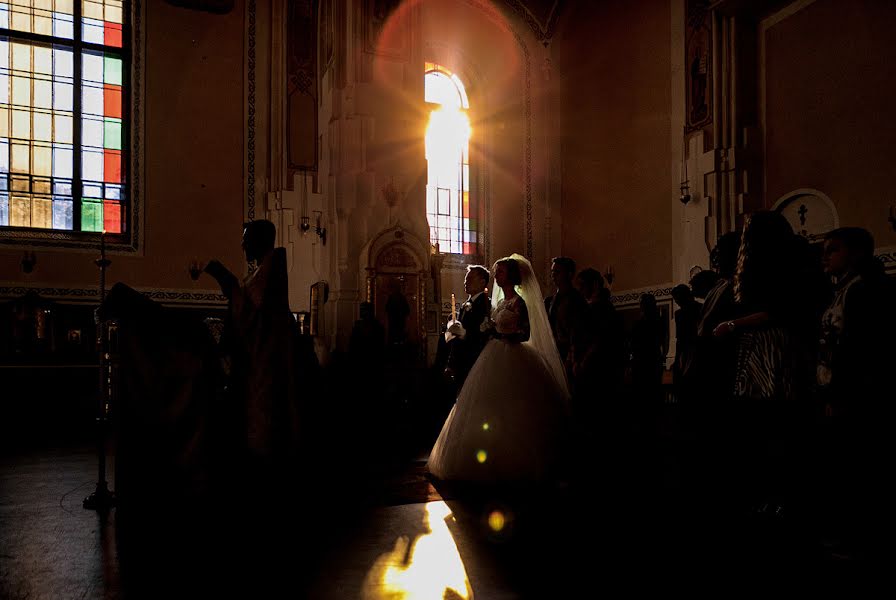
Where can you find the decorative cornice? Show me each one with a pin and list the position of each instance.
(250, 111)
(91, 295)
(888, 257)
(628, 297)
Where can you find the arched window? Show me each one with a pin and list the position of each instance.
(64, 141)
(449, 209)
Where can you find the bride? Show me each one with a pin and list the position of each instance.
(507, 423)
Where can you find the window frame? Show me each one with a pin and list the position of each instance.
(461, 258)
(132, 53)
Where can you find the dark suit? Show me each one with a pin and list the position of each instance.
(567, 313)
(464, 352)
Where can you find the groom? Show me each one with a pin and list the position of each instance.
(466, 339)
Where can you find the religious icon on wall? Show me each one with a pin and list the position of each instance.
(301, 87)
(391, 42)
(698, 65)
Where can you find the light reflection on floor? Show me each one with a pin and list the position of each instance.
(428, 567)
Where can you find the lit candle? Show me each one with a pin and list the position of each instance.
(453, 308)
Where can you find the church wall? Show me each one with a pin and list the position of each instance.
(193, 183)
(373, 119)
(490, 52)
(619, 190)
(828, 82)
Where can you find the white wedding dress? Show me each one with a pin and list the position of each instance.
(507, 425)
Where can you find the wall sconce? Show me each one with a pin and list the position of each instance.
(305, 225)
(28, 261)
(685, 196)
(195, 269)
(320, 231)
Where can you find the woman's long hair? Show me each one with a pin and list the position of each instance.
(765, 258)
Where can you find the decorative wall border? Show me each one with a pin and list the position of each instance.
(629, 297)
(91, 295)
(888, 257)
(250, 109)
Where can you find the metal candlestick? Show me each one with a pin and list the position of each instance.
(102, 499)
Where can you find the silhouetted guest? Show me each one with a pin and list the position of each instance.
(772, 370)
(649, 344)
(262, 340)
(855, 366)
(466, 338)
(368, 338)
(687, 318)
(176, 438)
(712, 371)
(566, 310)
(397, 312)
(702, 282)
(599, 368)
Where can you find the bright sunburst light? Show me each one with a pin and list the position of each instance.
(447, 135)
(428, 567)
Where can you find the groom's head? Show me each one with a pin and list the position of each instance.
(476, 279)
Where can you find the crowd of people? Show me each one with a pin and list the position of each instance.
(782, 377)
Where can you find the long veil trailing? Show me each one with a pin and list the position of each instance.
(540, 335)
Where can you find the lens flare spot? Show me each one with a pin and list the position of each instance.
(481, 456)
(496, 520)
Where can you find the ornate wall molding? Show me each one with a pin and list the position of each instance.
(888, 257)
(91, 295)
(630, 297)
(251, 10)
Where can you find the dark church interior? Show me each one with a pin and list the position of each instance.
(444, 299)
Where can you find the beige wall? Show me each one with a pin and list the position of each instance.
(829, 87)
(618, 194)
(193, 184)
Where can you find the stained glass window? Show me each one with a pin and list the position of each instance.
(452, 217)
(63, 129)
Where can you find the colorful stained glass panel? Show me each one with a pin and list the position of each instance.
(62, 213)
(112, 217)
(112, 134)
(41, 212)
(37, 117)
(112, 101)
(112, 166)
(91, 215)
(20, 211)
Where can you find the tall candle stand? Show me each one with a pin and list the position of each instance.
(102, 499)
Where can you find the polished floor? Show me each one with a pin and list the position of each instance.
(346, 533)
